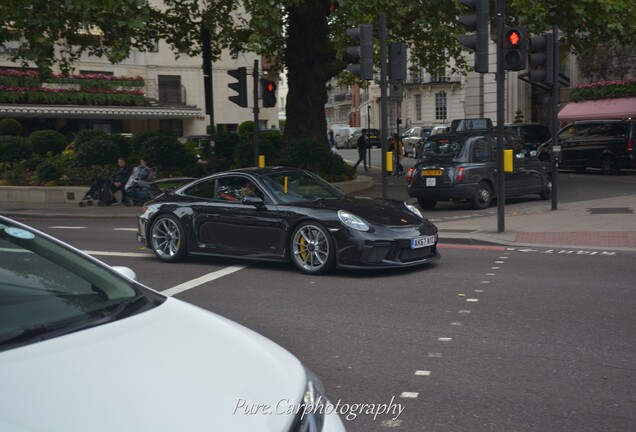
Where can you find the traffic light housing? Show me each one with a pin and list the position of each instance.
(541, 59)
(362, 53)
(240, 86)
(515, 45)
(269, 93)
(397, 61)
(478, 23)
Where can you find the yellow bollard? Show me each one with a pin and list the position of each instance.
(261, 161)
(389, 161)
(507, 160)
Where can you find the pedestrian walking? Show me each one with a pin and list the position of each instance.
(362, 151)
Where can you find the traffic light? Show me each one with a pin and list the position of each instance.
(515, 49)
(362, 53)
(541, 59)
(397, 61)
(240, 86)
(477, 42)
(269, 93)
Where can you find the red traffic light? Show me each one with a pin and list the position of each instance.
(513, 38)
(271, 87)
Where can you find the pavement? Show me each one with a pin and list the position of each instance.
(607, 224)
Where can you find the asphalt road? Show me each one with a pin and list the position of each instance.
(488, 338)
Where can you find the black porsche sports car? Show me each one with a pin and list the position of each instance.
(285, 214)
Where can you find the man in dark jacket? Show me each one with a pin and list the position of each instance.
(362, 151)
(119, 177)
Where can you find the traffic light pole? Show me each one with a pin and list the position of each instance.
(555, 107)
(500, 77)
(256, 111)
(383, 101)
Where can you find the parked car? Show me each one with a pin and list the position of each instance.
(534, 134)
(463, 166)
(87, 347)
(374, 136)
(344, 138)
(293, 215)
(604, 144)
(413, 138)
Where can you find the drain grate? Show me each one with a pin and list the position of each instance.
(610, 210)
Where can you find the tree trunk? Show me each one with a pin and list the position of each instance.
(310, 59)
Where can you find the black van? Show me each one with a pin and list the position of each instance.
(604, 144)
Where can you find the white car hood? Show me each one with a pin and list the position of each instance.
(173, 368)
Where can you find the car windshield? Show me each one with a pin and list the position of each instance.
(299, 186)
(48, 289)
(441, 149)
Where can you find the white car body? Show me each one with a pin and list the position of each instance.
(174, 367)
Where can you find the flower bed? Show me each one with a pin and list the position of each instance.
(85, 89)
(604, 90)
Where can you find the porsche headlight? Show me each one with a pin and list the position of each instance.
(414, 209)
(352, 221)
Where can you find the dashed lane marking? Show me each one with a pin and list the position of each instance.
(422, 373)
(67, 227)
(409, 395)
(118, 254)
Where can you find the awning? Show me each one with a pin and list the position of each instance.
(99, 112)
(602, 109)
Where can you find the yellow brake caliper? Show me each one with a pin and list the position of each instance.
(303, 248)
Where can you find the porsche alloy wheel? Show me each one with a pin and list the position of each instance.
(312, 249)
(167, 239)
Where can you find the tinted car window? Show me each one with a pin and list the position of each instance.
(534, 133)
(481, 151)
(442, 148)
(202, 190)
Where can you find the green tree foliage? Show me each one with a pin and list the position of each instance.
(45, 141)
(306, 36)
(10, 127)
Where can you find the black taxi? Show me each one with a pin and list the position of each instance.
(463, 166)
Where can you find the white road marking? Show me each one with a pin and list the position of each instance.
(125, 229)
(391, 423)
(422, 373)
(409, 395)
(485, 282)
(503, 257)
(67, 227)
(479, 290)
(444, 339)
(201, 280)
(495, 268)
(464, 311)
(499, 262)
(490, 274)
(472, 300)
(435, 355)
(119, 254)
(455, 323)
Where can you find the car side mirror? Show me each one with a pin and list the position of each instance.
(253, 201)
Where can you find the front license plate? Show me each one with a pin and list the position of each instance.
(427, 173)
(420, 242)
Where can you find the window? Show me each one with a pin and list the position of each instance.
(170, 89)
(234, 189)
(440, 106)
(481, 150)
(202, 190)
(418, 107)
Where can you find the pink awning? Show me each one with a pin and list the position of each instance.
(619, 108)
